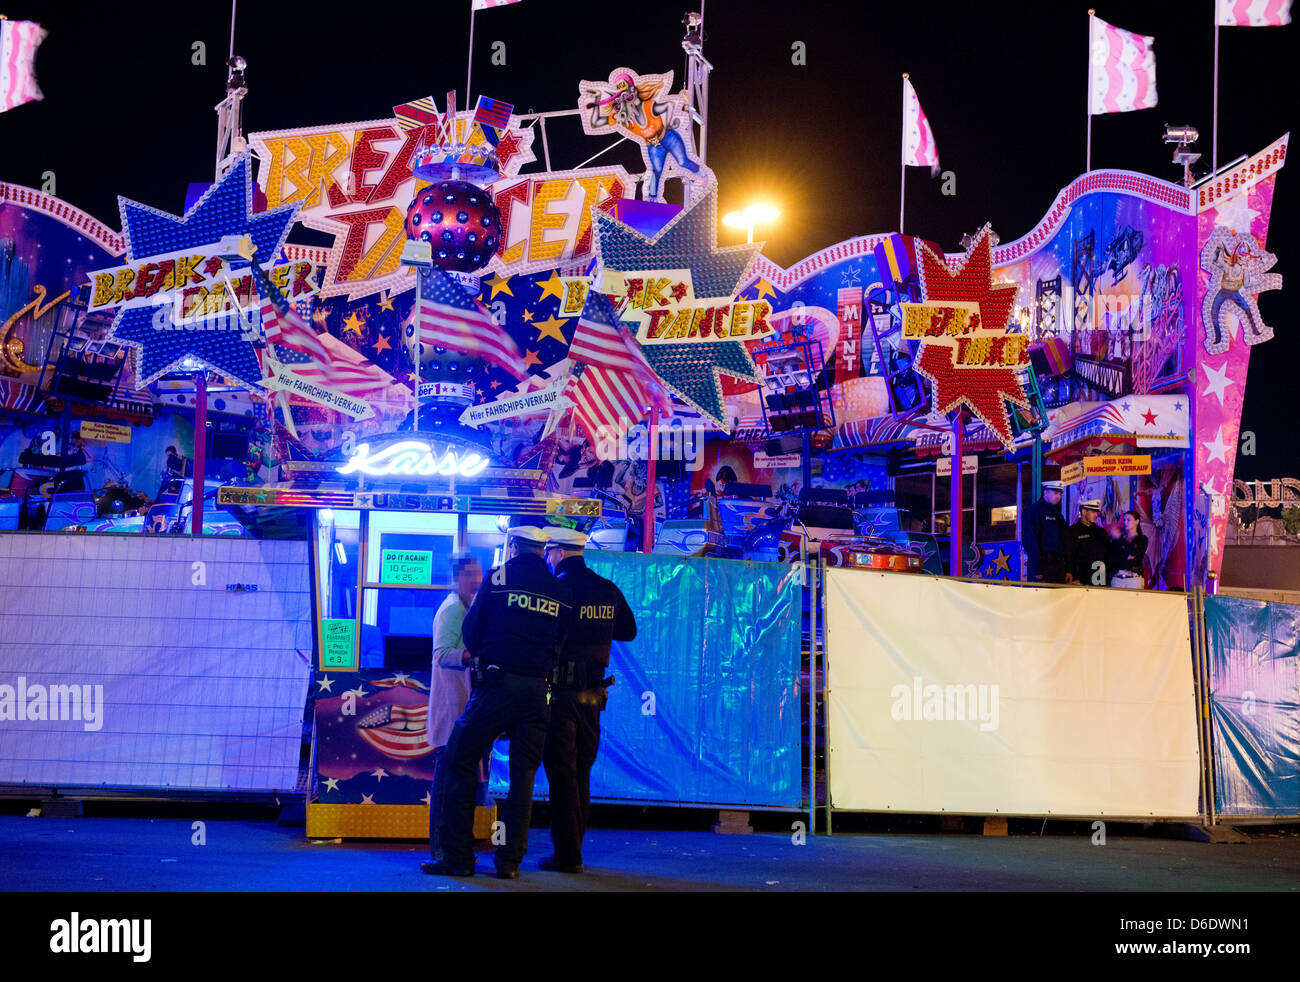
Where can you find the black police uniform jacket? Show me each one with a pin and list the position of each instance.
(519, 618)
(1044, 533)
(601, 615)
(1087, 544)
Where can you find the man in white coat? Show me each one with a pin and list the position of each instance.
(449, 684)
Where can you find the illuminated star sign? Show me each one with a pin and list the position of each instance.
(226, 209)
(690, 241)
(971, 363)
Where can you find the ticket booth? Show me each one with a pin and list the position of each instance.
(380, 551)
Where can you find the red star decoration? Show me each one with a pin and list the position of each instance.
(507, 147)
(679, 291)
(1150, 417)
(985, 391)
(212, 266)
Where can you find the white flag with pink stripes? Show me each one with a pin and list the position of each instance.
(19, 40)
(1123, 70)
(1254, 13)
(919, 148)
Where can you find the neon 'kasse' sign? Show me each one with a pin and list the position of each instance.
(413, 458)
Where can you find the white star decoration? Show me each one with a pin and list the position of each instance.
(379, 774)
(331, 784)
(325, 684)
(1218, 449)
(367, 799)
(1216, 381)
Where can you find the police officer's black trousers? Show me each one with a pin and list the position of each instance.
(571, 742)
(514, 705)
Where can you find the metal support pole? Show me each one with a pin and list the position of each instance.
(652, 454)
(415, 356)
(902, 168)
(805, 462)
(811, 575)
(200, 450)
(826, 694)
(1214, 126)
(469, 60)
(1088, 159)
(954, 501)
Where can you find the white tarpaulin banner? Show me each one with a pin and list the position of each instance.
(990, 699)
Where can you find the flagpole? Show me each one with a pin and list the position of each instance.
(902, 180)
(1088, 160)
(419, 278)
(1214, 126)
(469, 67)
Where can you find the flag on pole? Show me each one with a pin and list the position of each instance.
(1123, 70)
(617, 386)
(19, 40)
(298, 344)
(1254, 13)
(492, 112)
(484, 4)
(919, 148)
(448, 317)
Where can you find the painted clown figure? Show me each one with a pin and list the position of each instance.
(635, 107)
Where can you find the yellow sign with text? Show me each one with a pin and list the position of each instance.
(105, 432)
(1110, 466)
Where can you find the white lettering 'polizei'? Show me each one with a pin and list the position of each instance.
(945, 702)
(413, 457)
(75, 936)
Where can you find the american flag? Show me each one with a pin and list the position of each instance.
(492, 112)
(1254, 13)
(919, 148)
(296, 344)
(397, 731)
(1122, 70)
(618, 386)
(19, 40)
(485, 4)
(447, 317)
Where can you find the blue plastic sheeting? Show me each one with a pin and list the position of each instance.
(706, 709)
(1254, 668)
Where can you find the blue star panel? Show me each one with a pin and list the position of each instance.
(692, 369)
(226, 209)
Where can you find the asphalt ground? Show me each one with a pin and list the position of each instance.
(116, 854)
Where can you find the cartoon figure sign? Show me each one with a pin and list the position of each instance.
(1238, 270)
(641, 108)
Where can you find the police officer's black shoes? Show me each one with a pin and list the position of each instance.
(507, 872)
(552, 865)
(444, 868)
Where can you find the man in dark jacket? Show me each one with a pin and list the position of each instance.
(513, 630)
(1044, 531)
(602, 615)
(1087, 543)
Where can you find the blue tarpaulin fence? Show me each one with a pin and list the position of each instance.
(1254, 684)
(706, 709)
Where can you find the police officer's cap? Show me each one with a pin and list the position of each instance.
(529, 533)
(1053, 486)
(566, 538)
(1093, 503)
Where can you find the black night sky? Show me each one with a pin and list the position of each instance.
(1003, 84)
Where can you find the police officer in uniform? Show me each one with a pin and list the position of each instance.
(1044, 529)
(579, 694)
(1087, 546)
(514, 628)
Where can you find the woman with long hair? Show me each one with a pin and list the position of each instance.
(1126, 552)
